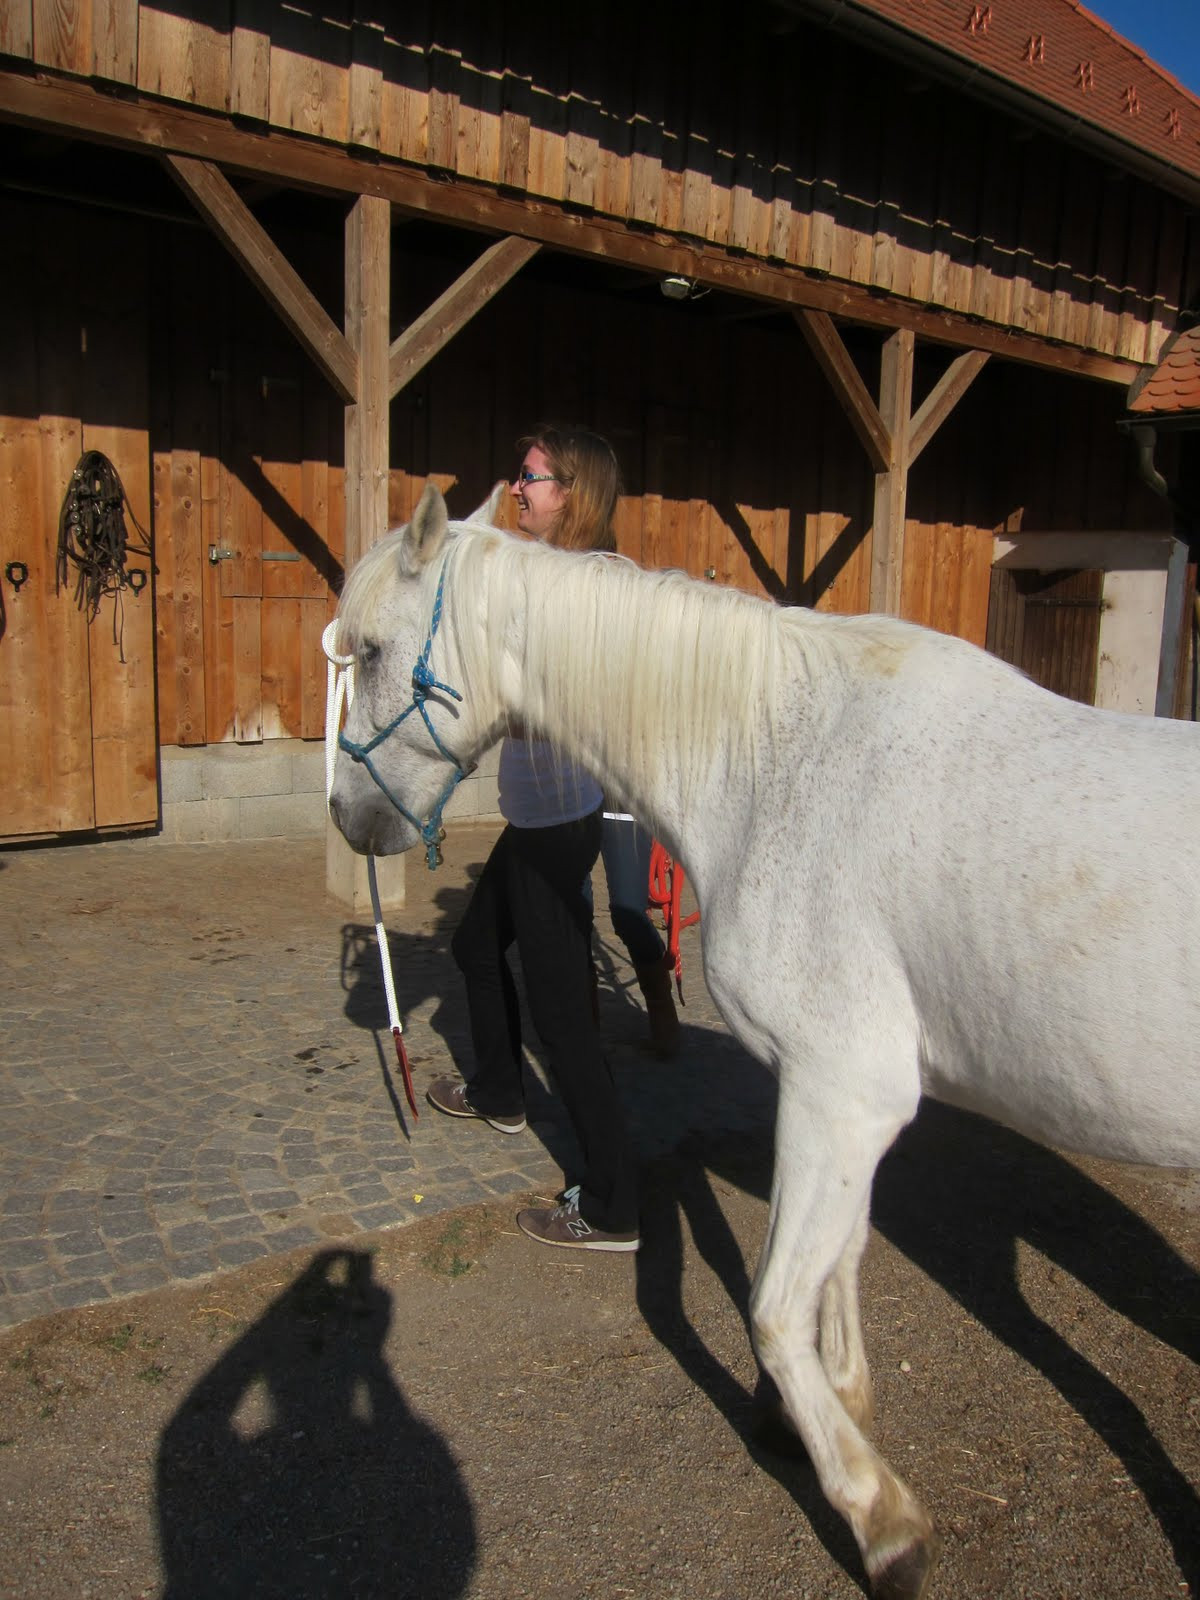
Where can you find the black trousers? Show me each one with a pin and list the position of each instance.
(530, 893)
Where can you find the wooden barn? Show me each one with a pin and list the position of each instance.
(863, 292)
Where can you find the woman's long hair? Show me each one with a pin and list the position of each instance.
(585, 466)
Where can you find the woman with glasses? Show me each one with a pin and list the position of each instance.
(566, 494)
(534, 893)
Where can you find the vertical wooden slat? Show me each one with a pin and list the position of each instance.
(115, 389)
(1110, 261)
(282, 668)
(645, 185)
(891, 487)
(365, 89)
(115, 40)
(43, 648)
(516, 94)
(310, 77)
(284, 534)
(704, 81)
(183, 58)
(62, 34)
(245, 621)
(63, 628)
(16, 28)
(164, 580)
(250, 60)
(404, 111)
(187, 539)
(613, 170)
(444, 63)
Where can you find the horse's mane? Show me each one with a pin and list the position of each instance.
(677, 670)
(634, 673)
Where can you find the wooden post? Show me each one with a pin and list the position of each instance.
(368, 313)
(891, 486)
(368, 308)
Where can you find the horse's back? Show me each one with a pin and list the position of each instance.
(1026, 862)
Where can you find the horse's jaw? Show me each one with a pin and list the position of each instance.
(371, 827)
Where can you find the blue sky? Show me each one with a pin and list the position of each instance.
(1167, 30)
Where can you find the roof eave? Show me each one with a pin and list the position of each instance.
(971, 78)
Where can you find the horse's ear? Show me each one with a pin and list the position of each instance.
(486, 513)
(426, 533)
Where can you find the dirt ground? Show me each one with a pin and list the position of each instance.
(448, 1410)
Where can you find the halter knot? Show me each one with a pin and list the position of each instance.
(424, 680)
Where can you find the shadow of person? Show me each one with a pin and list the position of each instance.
(295, 1469)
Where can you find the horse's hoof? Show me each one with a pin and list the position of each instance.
(906, 1576)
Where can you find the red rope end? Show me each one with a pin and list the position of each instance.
(405, 1071)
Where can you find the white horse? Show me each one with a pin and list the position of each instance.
(918, 873)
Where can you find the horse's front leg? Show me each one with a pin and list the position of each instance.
(828, 1144)
(843, 1353)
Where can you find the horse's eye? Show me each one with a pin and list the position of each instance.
(368, 654)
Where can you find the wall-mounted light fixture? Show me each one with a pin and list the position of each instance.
(677, 287)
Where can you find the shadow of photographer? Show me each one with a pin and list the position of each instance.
(294, 1467)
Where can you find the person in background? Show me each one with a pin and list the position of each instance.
(531, 893)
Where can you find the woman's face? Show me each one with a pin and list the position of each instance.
(539, 503)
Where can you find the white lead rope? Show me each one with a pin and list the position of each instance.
(339, 691)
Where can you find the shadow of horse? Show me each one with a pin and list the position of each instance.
(955, 1195)
(294, 1467)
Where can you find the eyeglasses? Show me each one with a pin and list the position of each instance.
(524, 476)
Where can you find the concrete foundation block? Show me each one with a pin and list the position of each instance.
(280, 816)
(200, 821)
(237, 770)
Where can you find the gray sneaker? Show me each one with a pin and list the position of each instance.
(563, 1225)
(450, 1095)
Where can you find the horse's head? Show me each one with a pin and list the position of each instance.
(412, 729)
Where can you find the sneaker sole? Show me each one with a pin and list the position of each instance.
(611, 1246)
(477, 1116)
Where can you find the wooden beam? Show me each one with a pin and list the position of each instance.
(368, 310)
(368, 315)
(450, 312)
(246, 239)
(942, 399)
(834, 360)
(891, 486)
(38, 100)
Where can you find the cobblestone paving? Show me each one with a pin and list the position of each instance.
(196, 1067)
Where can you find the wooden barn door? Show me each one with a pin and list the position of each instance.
(76, 720)
(1048, 624)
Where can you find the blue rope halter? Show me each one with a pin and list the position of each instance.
(423, 681)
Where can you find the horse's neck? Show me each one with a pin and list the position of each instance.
(652, 791)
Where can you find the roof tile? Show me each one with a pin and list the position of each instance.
(1174, 385)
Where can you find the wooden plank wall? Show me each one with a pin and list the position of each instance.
(784, 145)
(247, 459)
(736, 457)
